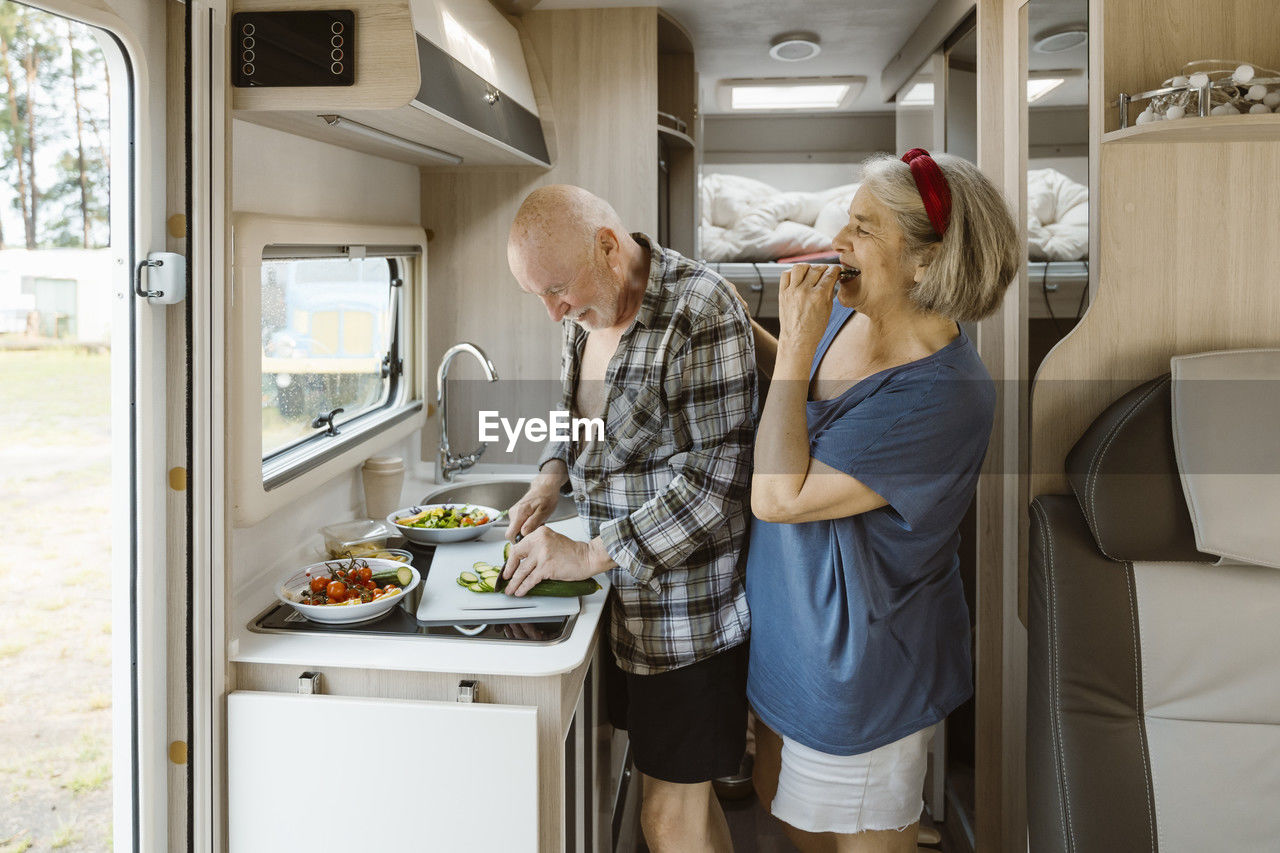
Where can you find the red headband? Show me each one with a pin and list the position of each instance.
(933, 187)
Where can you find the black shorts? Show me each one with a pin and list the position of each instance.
(686, 725)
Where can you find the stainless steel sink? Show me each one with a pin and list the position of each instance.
(499, 494)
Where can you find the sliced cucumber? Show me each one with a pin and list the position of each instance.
(469, 577)
(477, 587)
(479, 565)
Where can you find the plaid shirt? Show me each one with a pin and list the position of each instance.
(667, 491)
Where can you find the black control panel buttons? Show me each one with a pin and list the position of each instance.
(306, 48)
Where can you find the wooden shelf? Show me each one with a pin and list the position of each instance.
(1241, 128)
(672, 135)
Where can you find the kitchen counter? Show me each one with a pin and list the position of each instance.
(416, 653)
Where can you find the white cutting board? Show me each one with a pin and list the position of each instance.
(444, 601)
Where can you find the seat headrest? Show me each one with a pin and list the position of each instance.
(1226, 428)
(1125, 476)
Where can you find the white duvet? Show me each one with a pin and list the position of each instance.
(748, 220)
(1057, 217)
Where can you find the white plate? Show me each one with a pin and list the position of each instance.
(437, 535)
(290, 589)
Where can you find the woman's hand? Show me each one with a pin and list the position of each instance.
(804, 304)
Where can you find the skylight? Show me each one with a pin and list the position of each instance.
(1038, 87)
(811, 94)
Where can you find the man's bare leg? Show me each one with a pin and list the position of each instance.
(676, 818)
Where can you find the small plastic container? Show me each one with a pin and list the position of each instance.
(359, 538)
(398, 554)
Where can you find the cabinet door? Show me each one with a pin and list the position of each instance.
(336, 773)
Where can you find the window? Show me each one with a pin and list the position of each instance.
(332, 344)
(329, 344)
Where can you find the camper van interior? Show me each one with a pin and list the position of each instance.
(272, 394)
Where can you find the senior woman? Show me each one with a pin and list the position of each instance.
(866, 458)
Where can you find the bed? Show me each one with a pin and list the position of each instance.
(750, 232)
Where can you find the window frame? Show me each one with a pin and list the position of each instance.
(303, 453)
(260, 486)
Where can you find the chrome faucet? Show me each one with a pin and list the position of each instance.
(447, 463)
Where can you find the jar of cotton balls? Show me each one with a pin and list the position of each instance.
(1208, 87)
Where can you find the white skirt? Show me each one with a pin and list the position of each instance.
(880, 789)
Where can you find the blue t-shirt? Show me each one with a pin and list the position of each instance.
(859, 630)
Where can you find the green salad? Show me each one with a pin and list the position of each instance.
(445, 517)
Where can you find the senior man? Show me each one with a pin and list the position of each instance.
(659, 347)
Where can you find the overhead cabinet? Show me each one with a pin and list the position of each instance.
(435, 83)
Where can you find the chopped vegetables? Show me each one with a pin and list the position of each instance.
(353, 582)
(484, 577)
(445, 517)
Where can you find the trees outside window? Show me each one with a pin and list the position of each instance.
(54, 133)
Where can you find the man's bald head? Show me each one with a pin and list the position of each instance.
(558, 224)
(569, 248)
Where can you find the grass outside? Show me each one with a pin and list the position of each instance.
(56, 517)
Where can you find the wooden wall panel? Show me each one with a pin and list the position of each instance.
(588, 63)
(1183, 268)
(1000, 643)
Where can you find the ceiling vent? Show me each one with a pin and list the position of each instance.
(794, 47)
(1059, 39)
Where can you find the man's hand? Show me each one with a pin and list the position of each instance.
(529, 513)
(546, 554)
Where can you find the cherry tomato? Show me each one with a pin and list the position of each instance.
(365, 573)
(336, 590)
(318, 584)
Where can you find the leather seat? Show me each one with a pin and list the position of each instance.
(1153, 705)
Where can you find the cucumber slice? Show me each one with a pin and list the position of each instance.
(461, 582)
(469, 577)
(480, 565)
(506, 552)
(405, 575)
(476, 587)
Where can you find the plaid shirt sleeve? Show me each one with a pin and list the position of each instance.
(710, 386)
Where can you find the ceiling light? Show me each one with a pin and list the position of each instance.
(919, 95)
(812, 94)
(1059, 39)
(1038, 87)
(794, 47)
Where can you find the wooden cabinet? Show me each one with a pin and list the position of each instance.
(531, 764)
(679, 129)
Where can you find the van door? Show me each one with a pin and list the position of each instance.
(85, 361)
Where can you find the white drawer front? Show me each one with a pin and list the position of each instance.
(458, 777)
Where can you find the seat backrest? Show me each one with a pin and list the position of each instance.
(1153, 679)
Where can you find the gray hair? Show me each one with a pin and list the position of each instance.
(978, 256)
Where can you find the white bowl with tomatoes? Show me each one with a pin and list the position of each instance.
(435, 524)
(339, 592)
